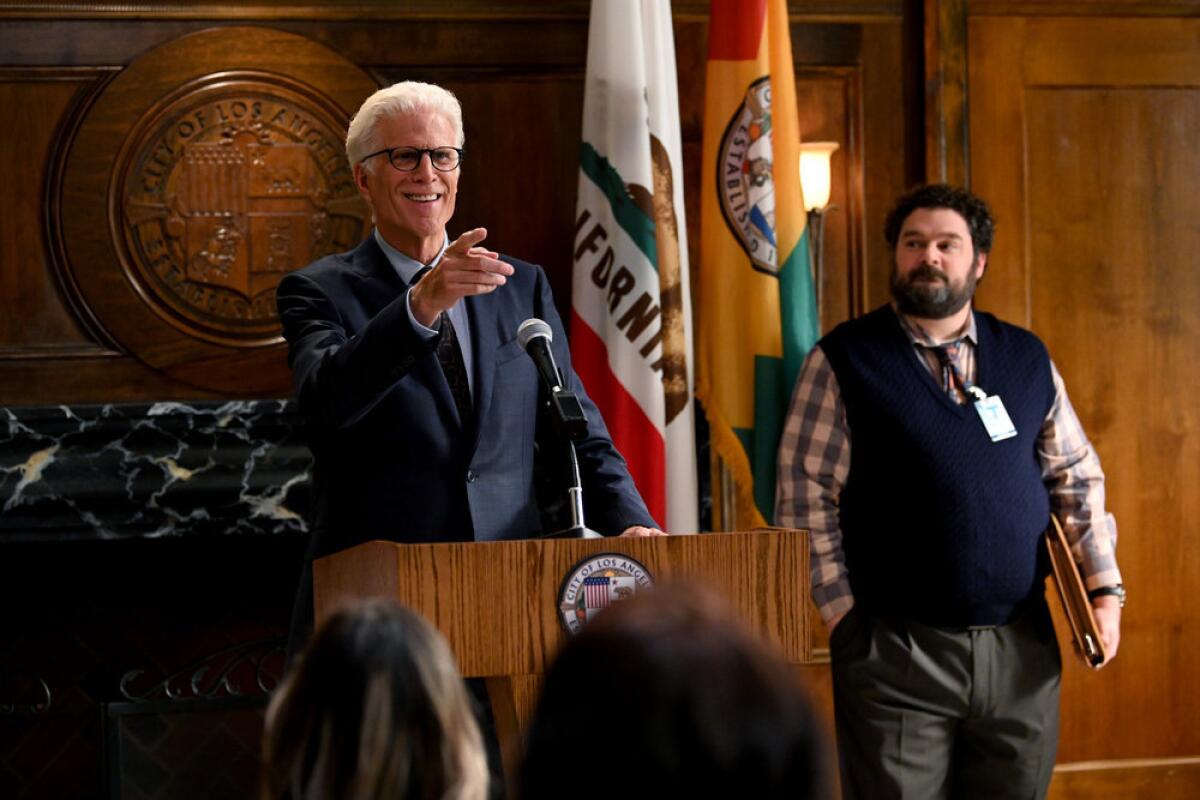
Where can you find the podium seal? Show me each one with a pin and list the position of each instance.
(596, 583)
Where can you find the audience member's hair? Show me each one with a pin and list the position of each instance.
(667, 695)
(405, 97)
(374, 709)
(970, 207)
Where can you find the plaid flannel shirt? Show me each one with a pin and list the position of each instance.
(814, 462)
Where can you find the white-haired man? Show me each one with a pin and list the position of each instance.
(422, 407)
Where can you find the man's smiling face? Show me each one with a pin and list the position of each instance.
(411, 208)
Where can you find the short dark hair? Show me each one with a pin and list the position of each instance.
(971, 207)
(675, 693)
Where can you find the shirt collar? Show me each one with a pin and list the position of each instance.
(405, 266)
(917, 336)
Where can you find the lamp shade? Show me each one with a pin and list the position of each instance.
(815, 177)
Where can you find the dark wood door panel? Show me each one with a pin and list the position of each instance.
(1083, 139)
(34, 320)
(1114, 292)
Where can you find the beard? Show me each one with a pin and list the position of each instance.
(928, 293)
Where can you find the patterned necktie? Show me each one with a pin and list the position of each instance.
(454, 368)
(449, 355)
(952, 381)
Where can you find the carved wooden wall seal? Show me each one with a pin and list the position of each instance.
(237, 179)
(204, 172)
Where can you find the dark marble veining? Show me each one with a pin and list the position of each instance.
(166, 469)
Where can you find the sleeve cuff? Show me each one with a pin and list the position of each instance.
(832, 599)
(427, 334)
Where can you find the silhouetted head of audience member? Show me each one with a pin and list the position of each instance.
(668, 695)
(374, 709)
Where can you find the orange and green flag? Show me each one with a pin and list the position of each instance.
(756, 316)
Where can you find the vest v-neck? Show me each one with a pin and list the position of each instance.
(928, 378)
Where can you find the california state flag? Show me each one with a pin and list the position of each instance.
(631, 337)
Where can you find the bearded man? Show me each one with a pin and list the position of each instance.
(926, 447)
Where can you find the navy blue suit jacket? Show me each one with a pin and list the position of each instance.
(392, 459)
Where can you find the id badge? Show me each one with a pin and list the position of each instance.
(995, 418)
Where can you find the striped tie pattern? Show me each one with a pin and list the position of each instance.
(952, 381)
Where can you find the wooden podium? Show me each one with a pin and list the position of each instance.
(497, 602)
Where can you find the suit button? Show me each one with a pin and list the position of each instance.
(471, 476)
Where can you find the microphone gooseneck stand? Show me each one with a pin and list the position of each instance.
(570, 420)
(579, 528)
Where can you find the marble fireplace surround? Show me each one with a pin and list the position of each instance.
(164, 469)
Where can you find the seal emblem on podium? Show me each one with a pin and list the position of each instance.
(595, 583)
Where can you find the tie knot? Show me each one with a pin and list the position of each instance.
(420, 274)
(946, 353)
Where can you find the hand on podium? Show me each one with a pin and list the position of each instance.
(637, 531)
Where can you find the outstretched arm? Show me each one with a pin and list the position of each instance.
(340, 370)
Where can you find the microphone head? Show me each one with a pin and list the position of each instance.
(531, 329)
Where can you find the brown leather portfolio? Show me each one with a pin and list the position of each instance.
(1077, 608)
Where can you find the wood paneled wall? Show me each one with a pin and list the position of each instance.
(1082, 136)
(518, 69)
(1076, 120)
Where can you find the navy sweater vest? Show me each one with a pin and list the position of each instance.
(940, 524)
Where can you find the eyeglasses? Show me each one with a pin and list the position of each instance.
(407, 159)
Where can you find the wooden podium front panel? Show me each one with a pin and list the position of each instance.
(497, 602)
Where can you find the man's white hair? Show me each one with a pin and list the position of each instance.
(405, 97)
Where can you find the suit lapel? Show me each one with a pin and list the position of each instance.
(376, 274)
(381, 282)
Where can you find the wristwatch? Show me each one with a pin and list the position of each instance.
(1117, 589)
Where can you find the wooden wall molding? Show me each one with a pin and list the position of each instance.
(832, 101)
(381, 10)
(66, 329)
(1160, 778)
(55, 350)
(44, 100)
(813, 10)
(1082, 144)
(947, 139)
(1084, 8)
(94, 80)
(1187, 762)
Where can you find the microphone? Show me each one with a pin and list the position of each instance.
(535, 337)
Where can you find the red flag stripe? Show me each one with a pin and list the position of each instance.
(632, 431)
(735, 29)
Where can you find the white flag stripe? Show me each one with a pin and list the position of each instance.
(630, 97)
(664, 123)
(614, 104)
(592, 305)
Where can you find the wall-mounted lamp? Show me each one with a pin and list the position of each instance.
(816, 182)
